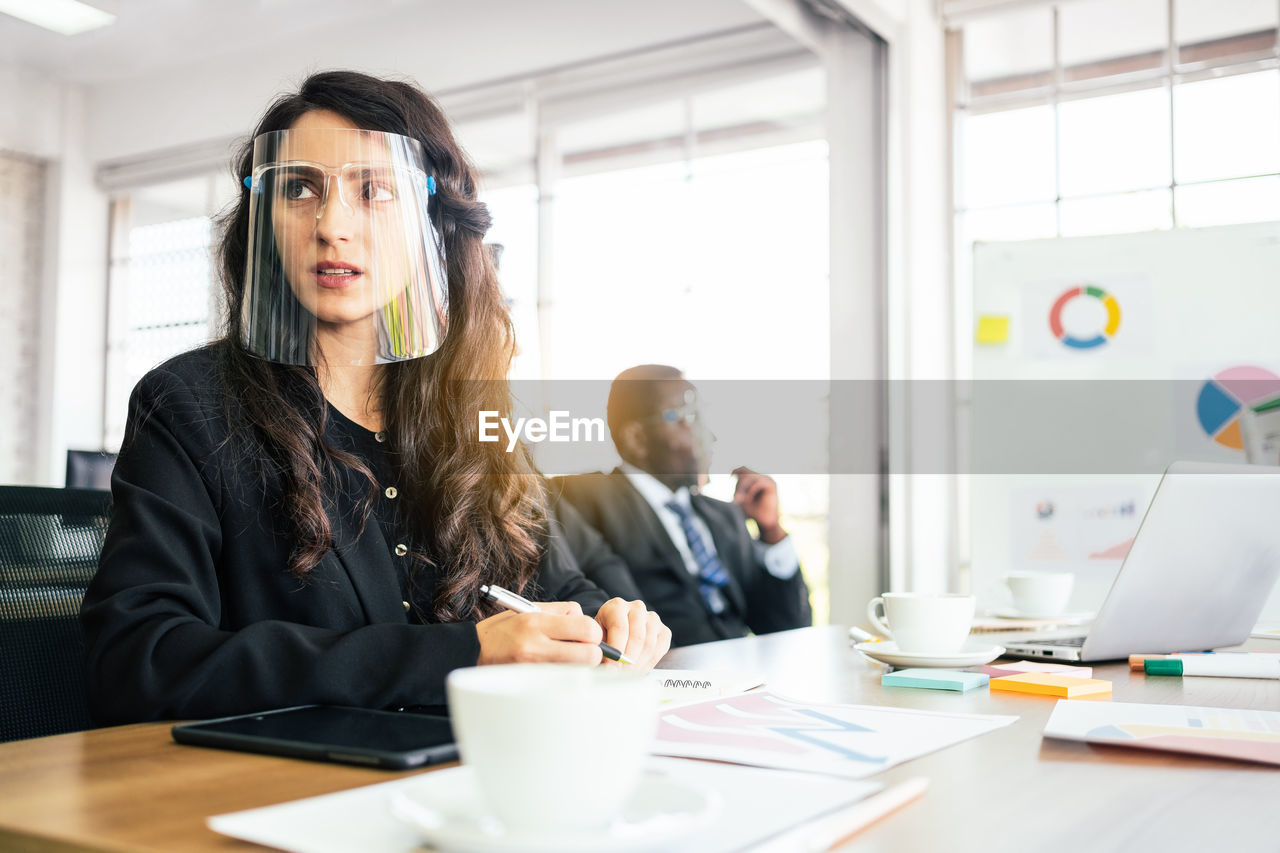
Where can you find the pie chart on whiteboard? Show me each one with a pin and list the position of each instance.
(1226, 395)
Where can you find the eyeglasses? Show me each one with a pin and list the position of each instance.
(687, 414)
(302, 188)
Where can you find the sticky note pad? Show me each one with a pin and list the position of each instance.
(992, 329)
(1050, 684)
(935, 679)
(997, 670)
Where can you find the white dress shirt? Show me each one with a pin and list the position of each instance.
(780, 558)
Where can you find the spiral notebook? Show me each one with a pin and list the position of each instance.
(678, 686)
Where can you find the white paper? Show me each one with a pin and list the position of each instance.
(852, 741)
(755, 804)
(1224, 732)
(1074, 528)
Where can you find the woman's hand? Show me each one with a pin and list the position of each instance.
(559, 634)
(637, 631)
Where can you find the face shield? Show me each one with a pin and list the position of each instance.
(342, 254)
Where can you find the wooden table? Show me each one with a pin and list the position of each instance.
(132, 788)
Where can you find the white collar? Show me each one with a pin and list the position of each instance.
(653, 490)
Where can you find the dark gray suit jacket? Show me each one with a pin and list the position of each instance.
(757, 601)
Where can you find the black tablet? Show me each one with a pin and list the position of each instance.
(331, 733)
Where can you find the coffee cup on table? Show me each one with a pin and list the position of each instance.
(553, 747)
(1040, 595)
(924, 622)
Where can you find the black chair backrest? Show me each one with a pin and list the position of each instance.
(49, 545)
(89, 469)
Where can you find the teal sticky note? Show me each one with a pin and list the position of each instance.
(935, 679)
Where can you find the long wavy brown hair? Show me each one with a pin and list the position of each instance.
(476, 512)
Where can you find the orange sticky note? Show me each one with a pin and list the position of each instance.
(1050, 684)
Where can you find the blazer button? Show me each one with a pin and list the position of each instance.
(380, 437)
(391, 492)
(406, 606)
(401, 550)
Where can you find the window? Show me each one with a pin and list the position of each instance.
(1140, 115)
(515, 230)
(1134, 127)
(1227, 127)
(161, 301)
(1114, 143)
(679, 228)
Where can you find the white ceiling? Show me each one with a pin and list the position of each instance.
(462, 42)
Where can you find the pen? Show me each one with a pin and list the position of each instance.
(520, 604)
(1242, 665)
(833, 830)
(842, 827)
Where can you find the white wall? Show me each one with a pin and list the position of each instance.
(30, 122)
(926, 322)
(73, 312)
(47, 122)
(444, 46)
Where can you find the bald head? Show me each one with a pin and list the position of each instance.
(652, 418)
(636, 393)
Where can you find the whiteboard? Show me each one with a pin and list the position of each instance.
(1151, 339)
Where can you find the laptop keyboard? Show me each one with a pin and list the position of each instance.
(1065, 641)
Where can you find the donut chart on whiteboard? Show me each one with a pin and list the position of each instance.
(1225, 396)
(1089, 342)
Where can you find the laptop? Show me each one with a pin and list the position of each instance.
(1196, 577)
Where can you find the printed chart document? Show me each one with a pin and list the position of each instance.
(682, 686)
(1222, 732)
(843, 740)
(752, 806)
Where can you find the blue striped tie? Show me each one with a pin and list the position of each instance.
(711, 572)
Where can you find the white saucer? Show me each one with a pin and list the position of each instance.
(446, 808)
(1064, 618)
(974, 653)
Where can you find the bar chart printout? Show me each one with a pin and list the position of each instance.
(853, 741)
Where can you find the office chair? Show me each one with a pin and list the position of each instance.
(89, 469)
(49, 545)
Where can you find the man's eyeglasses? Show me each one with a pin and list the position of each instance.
(688, 414)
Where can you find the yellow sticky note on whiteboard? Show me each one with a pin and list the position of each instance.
(993, 329)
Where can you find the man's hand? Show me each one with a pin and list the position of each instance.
(757, 494)
(636, 631)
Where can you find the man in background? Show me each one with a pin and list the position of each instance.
(691, 556)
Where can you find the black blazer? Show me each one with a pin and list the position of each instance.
(192, 612)
(757, 601)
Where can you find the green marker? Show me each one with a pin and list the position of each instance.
(1229, 665)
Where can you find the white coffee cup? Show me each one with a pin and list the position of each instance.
(924, 622)
(553, 746)
(1040, 595)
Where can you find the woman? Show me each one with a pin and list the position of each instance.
(303, 512)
